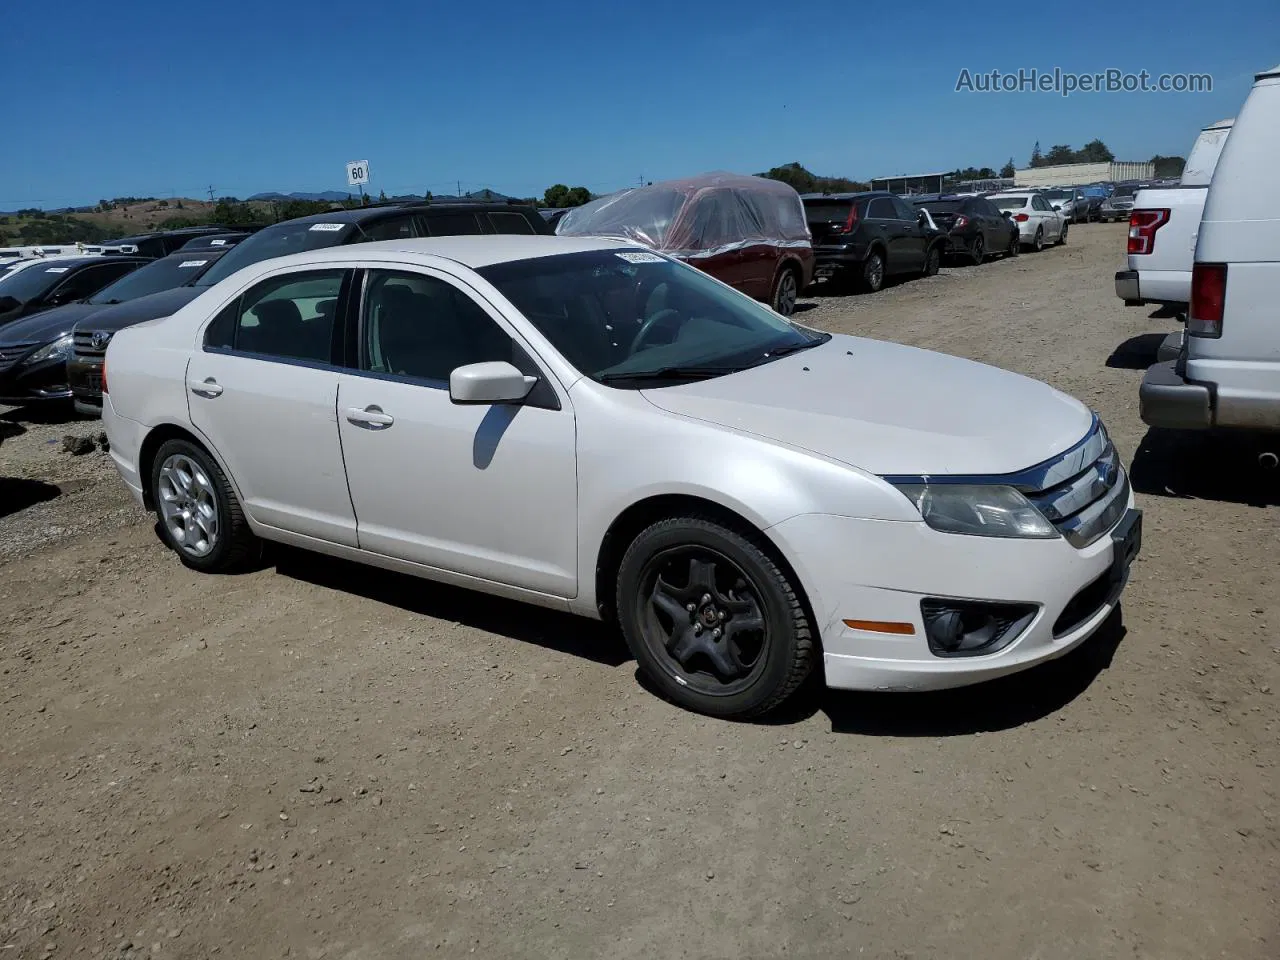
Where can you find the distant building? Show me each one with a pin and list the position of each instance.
(910, 183)
(1074, 174)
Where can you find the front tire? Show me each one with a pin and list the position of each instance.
(713, 621)
(786, 290)
(200, 518)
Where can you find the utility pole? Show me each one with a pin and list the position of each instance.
(211, 193)
(640, 180)
(459, 189)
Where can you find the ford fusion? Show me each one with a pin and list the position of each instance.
(593, 427)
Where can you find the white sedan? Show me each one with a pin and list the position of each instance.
(590, 426)
(1039, 222)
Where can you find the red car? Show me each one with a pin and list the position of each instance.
(748, 232)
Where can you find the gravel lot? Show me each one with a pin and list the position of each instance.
(317, 760)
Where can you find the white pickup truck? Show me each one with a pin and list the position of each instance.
(1163, 227)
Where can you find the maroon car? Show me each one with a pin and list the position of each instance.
(748, 232)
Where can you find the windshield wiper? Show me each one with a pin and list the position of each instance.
(668, 373)
(788, 348)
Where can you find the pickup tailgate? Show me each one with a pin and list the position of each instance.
(1164, 273)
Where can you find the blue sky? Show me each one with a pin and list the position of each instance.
(143, 97)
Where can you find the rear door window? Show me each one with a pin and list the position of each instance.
(510, 223)
(392, 228)
(453, 224)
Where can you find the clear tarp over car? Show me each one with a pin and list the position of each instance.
(696, 217)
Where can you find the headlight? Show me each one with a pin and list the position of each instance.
(60, 349)
(979, 509)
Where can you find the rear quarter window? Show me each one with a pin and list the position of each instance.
(510, 223)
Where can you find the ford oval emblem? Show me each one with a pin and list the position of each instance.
(100, 339)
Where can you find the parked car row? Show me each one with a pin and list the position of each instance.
(57, 317)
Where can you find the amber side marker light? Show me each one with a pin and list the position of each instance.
(882, 626)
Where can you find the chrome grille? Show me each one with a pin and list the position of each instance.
(84, 344)
(10, 352)
(1084, 492)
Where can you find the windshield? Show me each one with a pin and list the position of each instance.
(1057, 194)
(161, 275)
(1009, 203)
(634, 318)
(1124, 191)
(278, 241)
(941, 206)
(31, 283)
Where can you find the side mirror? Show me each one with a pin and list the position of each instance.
(1057, 206)
(494, 381)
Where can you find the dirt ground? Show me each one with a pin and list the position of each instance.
(316, 760)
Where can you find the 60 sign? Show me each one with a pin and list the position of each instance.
(358, 172)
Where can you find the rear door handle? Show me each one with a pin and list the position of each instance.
(207, 388)
(371, 417)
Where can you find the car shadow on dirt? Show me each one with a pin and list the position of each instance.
(17, 494)
(1136, 353)
(995, 705)
(563, 632)
(1206, 466)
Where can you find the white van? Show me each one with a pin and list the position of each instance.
(1228, 374)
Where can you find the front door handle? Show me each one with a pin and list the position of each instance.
(207, 388)
(371, 417)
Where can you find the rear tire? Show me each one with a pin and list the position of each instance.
(872, 277)
(979, 252)
(1038, 243)
(1062, 238)
(747, 644)
(1015, 244)
(932, 261)
(200, 516)
(786, 290)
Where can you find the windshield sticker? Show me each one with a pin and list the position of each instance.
(191, 263)
(328, 227)
(636, 256)
(217, 243)
(56, 269)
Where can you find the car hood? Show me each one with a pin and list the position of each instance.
(152, 307)
(47, 324)
(890, 409)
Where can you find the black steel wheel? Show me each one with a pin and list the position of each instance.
(712, 619)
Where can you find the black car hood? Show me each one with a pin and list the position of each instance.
(47, 324)
(152, 307)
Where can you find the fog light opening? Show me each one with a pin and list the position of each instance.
(967, 628)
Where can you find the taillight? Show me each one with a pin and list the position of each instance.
(1143, 225)
(1208, 299)
(961, 221)
(1021, 217)
(853, 218)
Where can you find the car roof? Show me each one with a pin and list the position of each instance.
(361, 214)
(470, 251)
(856, 195)
(175, 232)
(186, 253)
(1013, 193)
(94, 258)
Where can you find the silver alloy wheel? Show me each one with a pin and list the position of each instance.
(875, 272)
(787, 293)
(188, 506)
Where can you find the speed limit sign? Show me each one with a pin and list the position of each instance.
(358, 172)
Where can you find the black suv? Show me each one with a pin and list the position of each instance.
(357, 225)
(975, 227)
(160, 244)
(866, 237)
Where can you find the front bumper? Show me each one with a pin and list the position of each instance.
(85, 377)
(1167, 399)
(25, 384)
(880, 570)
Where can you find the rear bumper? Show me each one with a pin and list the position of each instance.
(1166, 399)
(125, 438)
(1127, 288)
